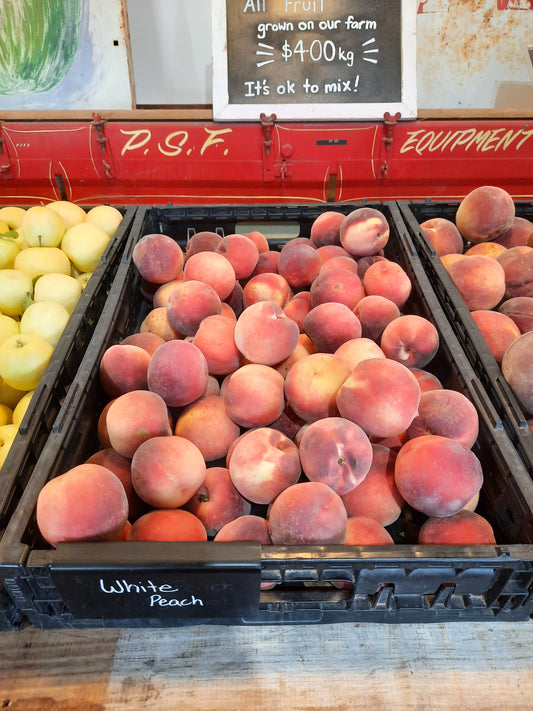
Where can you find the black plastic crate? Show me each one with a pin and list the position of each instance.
(487, 369)
(52, 389)
(111, 584)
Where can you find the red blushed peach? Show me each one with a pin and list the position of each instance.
(374, 313)
(331, 324)
(133, 418)
(329, 251)
(158, 258)
(363, 531)
(426, 380)
(260, 241)
(101, 427)
(326, 228)
(377, 496)
(443, 236)
(263, 463)
(348, 263)
(489, 249)
(520, 234)
(123, 368)
(148, 341)
(395, 443)
(364, 232)
(364, 263)
(307, 513)
(288, 423)
(189, 303)
(299, 352)
(166, 471)
(254, 395)
(204, 241)
(449, 259)
(263, 334)
(228, 311)
(357, 349)
(241, 253)
(437, 475)
(215, 338)
(517, 369)
(235, 300)
(381, 396)
(121, 467)
(520, 309)
(211, 268)
(156, 321)
(447, 413)
(336, 452)
(87, 503)
(266, 287)
(411, 340)
(267, 263)
(311, 385)
(498, 330)
(161, 295)
(337, 285)
(464, 528)
(297, 310)
(485, 213)
(178, 373)
(246, 528)
(517, 263)
(388, 279)
(479, 279)
(299, 264)
(207, 424)
(217, 502)
(168, 525)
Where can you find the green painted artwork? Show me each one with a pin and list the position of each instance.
(38, 43)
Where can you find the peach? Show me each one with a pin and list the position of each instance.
(207, 424)
(156, 321)
(215, 338)
(363, 263)
(205, 241)
(480, 281)
(166, 471)
(101, 427)
(241, 253)
(217, 502)
(189, 303)
(259, 239)
(148, 341)
(337, 285)
(213, 386)
(331, 324)
(121, 467)
(381, 396)
(355, 350)
(517, 369)
(489, 249)
(519, 234)
(235, 300)
(326, 228)
(377, 496)
(443, 236)
(447, 413)
(299, 264)
(289, 423)
(133, 418)
(307, 513)
(437, 475)
(228, 311)
(464, 528)
(364, 232)
(263, 463)
(426, 380)
(348, 263)
(158, 258)
(517, 263)
(412, 340)
(178, 373)
(336, 452)
(395, 443)
(254, 395)
(311, 385)
(123, 368)
(297, 310)
(485, 213)
(498, 330)
(374, 313)
(160, 296)
(86, 503)
(301, 351)
(168, 525)
(211, 268)
(328, 251)
(520, 309)
(263, 334)
(267, 263)
(249, 527)
(388, 279)
(268, 286)
(364, 531)
(449, 259)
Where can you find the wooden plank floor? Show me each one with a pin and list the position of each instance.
(340, 667)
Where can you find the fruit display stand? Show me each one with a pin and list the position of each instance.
(121, 584)
(510, 413)
(38, 420)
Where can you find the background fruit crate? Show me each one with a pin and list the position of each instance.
(81, 585)
(49, 395)
(474, 345)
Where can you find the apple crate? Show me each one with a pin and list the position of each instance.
(49, 395)
(509, 410)
(132, 584)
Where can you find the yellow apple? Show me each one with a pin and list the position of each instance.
(21, 407)
(61, 288)
(42, 227)
(6, 415)
(84, 245)
(9, 248)
(35, 261)
(84, 278)
(106, 217)
(7, 435)
(23, 360)
(13, 216)
(8, 327)
(4, 227)
(10, 396)
(46, 319)
(71, 213)
(16, 288)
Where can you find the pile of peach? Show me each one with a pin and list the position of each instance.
(277, 396)
(488, 253)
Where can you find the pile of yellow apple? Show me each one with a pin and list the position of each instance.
(47, 255)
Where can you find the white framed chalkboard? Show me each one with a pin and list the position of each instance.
(314, 59)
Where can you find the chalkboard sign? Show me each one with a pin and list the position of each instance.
(314, 59)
